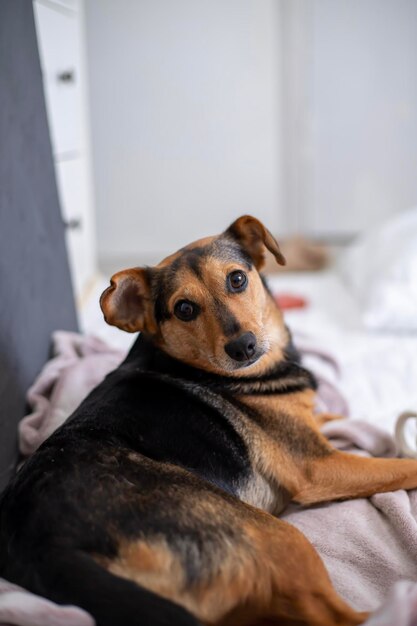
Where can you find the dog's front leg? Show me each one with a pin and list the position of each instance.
(340, 476)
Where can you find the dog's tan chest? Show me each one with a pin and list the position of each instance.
(282, 438)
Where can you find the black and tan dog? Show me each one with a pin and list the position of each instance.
(154, 503)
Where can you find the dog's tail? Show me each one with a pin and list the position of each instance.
(69, 577)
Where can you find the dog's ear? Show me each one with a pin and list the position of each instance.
(254, 238)
(126, 303)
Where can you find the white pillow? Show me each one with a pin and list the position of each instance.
(381, 269)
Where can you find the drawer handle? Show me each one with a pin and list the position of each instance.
(67, 76)
(74, 223)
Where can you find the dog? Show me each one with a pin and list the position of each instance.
(156, 502)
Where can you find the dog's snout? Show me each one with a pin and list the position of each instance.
(243, 348)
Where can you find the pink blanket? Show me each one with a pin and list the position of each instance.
(18, 606)
(368, 545)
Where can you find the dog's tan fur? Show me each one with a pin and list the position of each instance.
(272, 575)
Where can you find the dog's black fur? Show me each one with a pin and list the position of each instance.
(167, 473)
(66, 501)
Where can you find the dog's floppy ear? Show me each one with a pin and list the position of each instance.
(126, 303)
(254, 238)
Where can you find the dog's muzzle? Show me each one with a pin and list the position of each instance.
(243, 348)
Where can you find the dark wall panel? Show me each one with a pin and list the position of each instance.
(35, 288)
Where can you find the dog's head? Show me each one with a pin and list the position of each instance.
(206, 304)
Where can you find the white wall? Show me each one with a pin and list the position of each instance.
(350, 112)
(185, 113)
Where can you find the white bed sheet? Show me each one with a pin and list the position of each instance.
(378, 370)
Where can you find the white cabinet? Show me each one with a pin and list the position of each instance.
(73, 187)
(58, 36)
(59, 25)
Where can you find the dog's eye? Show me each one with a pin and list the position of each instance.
(237, 281)
(186, 310)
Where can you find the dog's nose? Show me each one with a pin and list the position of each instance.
(243, 348)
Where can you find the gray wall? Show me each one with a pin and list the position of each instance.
(35, 289)
(185, 114)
